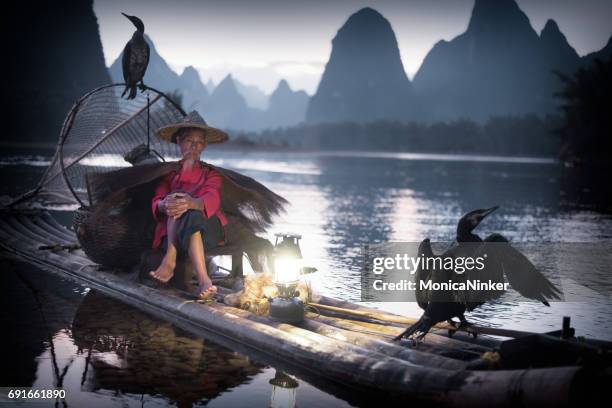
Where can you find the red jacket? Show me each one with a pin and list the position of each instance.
(200, 182)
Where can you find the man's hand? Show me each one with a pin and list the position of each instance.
(177, 204)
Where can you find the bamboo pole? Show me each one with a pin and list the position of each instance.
(438, 345)
(359, 339)
(62, 232)
(391, 318)
(416, 356)
(39, 231)
(437, 336)
(433, 344)
(460, 334)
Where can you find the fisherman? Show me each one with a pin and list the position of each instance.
(187, 203)
(174, 205)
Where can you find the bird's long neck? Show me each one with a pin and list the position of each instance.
(467, 236)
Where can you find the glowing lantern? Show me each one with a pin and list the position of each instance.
(287, 307)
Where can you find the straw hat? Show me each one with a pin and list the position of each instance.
(192, 120)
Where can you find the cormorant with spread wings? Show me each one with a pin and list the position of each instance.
(500, 260)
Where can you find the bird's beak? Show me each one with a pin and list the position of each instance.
(125, 15)
(489, 211)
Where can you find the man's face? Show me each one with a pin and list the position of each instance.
(192, 144)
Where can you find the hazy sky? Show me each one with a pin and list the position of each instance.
(261, 41)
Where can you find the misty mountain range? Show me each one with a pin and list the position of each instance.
(231, 104)
(499, 66)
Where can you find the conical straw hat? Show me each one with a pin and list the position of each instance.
(194, 120)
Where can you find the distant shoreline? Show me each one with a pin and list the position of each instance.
(27, 145)
(394, 154)
(16, 148)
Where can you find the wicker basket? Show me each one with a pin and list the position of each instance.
(117, 240)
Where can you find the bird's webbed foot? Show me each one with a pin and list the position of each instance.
(417, 337)
(455, 326)
(453, 323)
(415, 340)
(462, 324)
(465, 325)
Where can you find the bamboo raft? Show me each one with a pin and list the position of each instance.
(344, 344)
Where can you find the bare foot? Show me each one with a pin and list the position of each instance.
(164, 272)
(206, 290)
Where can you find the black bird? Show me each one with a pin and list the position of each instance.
(135, 58)
(501, 260)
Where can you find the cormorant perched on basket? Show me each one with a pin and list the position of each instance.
(135, 58)
(500, 259)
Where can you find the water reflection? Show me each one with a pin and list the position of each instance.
(132, 353)
(33, 320)
(104, 353)
(284, 389)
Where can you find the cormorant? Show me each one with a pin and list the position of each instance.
(135, 58)
(501, 259)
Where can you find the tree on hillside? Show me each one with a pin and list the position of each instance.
(586, 99)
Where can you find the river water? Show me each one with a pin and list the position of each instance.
(115, 355)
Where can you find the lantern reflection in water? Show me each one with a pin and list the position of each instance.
(284, 391)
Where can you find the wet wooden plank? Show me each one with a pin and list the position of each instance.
(342, 307)
(359, 339)
(41, 232)
(431, 344)
(53, 229)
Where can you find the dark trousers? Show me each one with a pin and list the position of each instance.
(192, 221)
